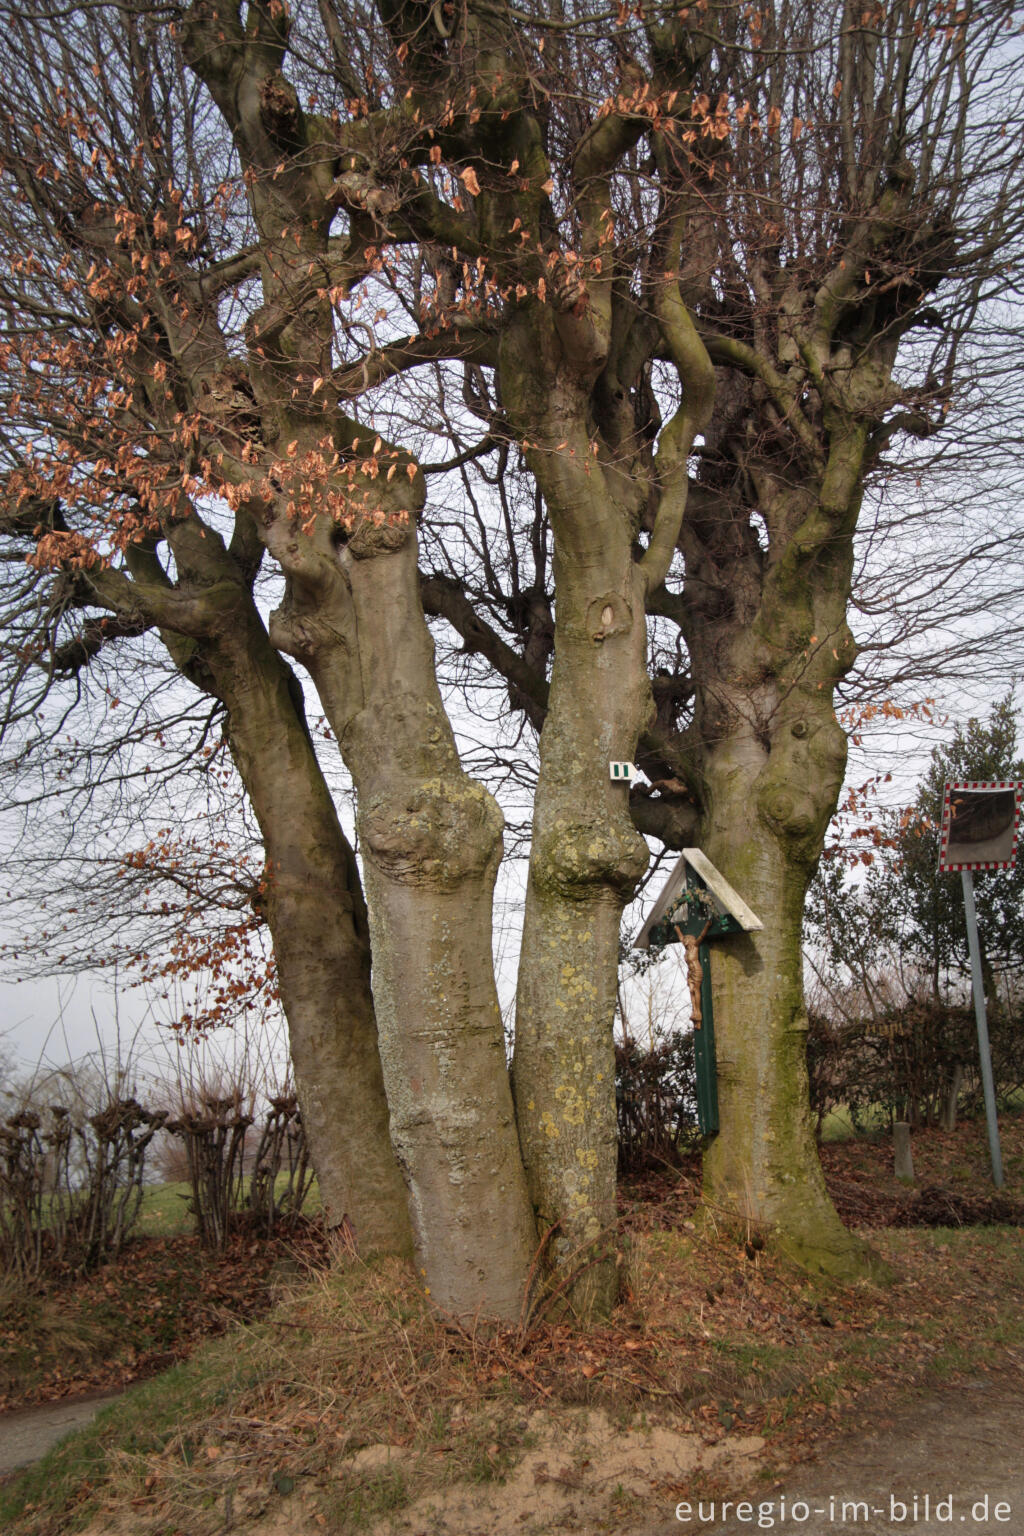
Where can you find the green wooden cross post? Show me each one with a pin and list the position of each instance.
(698, 903)
(693, 914)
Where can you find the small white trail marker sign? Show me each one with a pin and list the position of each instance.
(622, 773)
(980, 825)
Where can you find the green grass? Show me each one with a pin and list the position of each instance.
(165, 1207)
(165, 1211)
(838, 1126)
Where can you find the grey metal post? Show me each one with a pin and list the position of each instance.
(980, 1016)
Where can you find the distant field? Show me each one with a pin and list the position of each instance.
(837, 1125)
(165, 1207)
(165, 1210)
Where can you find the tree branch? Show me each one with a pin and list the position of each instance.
(444, 598)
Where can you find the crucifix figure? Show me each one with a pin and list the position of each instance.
(694, 970)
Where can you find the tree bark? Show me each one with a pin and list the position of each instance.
(763, 1166)
(342, 528)
(585, 862)
(431, 841)
(316, 915)
(769, 639)
(571, 384)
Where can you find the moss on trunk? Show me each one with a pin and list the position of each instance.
(769, 803)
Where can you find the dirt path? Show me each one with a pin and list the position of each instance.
(962, 1450)
(27, 1435)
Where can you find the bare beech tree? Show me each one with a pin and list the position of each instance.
(681, 258)
(97, 459)
(879, 197)
(852, 257)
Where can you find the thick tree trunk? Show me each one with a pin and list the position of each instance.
(565, 377)
(769, 804)
(316, 916)
(431, 842)
(767, 633)
(585, 862)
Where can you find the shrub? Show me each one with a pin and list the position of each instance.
(908, 1060)
(71, 1184)
(656, 1101)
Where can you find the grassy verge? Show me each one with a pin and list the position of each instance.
(351, 1399)
(152, 1306)
(350, 1402)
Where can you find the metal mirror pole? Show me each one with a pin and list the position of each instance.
(980, 1016)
